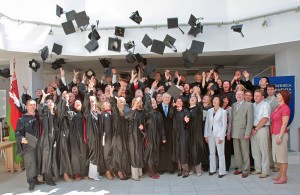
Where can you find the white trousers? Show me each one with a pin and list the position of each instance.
(136, 172)
(93, 171)
(212, 144)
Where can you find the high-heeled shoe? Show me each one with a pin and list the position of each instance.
(121, 176)
(67, 178)
(281, 181)
(109, 176)
(179, 173)
(186, 174)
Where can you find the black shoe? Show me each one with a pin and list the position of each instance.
(220, 176)
(211, 173)
(51, 183)
(39, 183)
(186, 174)
(31, 187)
(179, 173)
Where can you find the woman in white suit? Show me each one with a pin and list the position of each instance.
(214, 133)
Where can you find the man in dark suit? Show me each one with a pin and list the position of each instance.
(166, 109)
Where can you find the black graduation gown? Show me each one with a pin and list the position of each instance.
(63, 140)
(136, 137)
(106, 127)
(78, 144)
(47, 149)
(166, 149)
(206, 149)
(92, 132)
(198, 153)
(181, 137)
(119, 152)
(155, 133)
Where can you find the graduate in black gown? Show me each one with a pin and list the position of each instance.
(93, 132)
(165, 155)
(78, 145)
(63, 141)
(198, 153)
(120, 160)
(181, 138)
(48, 141)
(136, 135)
(155, 135)
(107, 133)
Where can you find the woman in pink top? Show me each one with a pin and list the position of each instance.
(280, 117)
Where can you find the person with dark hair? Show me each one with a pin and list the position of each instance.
(155, 135)
(226, 91)
(260, 135)
(48, 141)
(29, 124)
(249, 96)
(228, 141)
(279, 131)
(214, 133)
(181, 138)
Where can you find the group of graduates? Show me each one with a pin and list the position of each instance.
(121, 125)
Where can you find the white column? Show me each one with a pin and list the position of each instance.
(288, 64)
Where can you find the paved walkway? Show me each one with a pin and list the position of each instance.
(166, 185)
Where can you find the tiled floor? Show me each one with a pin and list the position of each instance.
(167, 184)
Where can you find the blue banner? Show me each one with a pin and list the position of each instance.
(283, 83)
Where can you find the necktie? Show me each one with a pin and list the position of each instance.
(238, 105)
(166, 111)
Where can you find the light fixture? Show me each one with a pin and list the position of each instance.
(264, 23)
(50, 32)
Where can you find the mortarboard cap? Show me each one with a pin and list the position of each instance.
(189, 56)
(119, 31)
(130, 58)
(149, 69)
(34, 65)
(114, 44)
(70, 15)
(147, 41)
(158, 47)
(94, 34)
(44, 53)
(105, 62)
(135, 16)
(5, 72)
(173, 23)
(138, 57)
(92, 45)
(195, 31)
(58, 63)
(81, 19)
(197, 46)
(59, 10)
(238, 28)
(129, 45)
(68, 27)
(89, 73)
(57, 48)
(169, 41)
(174, 91)
(125, 76)
(192, 20)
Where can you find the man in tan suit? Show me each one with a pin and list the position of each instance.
(242, 123)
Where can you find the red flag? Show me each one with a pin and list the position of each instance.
(14, 112)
